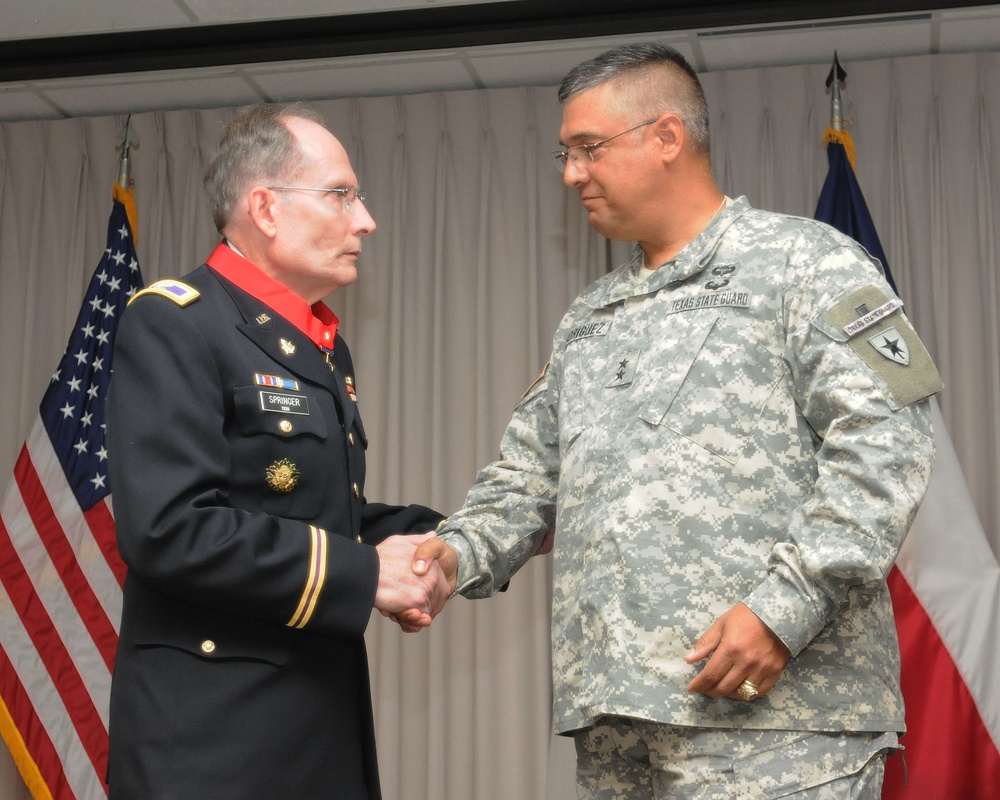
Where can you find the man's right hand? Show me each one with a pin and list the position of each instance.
(432, 555)
(403, 590)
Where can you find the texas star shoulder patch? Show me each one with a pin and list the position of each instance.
(892, 345)
(180, 293)
(872, 324)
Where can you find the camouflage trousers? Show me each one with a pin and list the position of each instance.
(630, 759)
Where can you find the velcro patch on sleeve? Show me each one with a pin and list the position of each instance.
(873, 325)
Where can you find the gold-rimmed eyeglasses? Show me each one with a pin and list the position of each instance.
(348, 193)
(562, 157)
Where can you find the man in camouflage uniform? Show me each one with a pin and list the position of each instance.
(732, 438)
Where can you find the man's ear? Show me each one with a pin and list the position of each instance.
(669, 130)
(261, 209)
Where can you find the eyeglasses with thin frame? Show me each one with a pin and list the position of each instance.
(348, 193)
(562, 157)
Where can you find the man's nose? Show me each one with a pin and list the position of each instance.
(363, 222)
(575, 172)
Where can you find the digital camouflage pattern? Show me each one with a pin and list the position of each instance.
(747, 423)
(713, 764)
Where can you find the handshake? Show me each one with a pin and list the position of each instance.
(417, 575)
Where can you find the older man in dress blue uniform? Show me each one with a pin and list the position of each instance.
(237, 458)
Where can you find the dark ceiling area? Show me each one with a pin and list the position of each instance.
(412, 30)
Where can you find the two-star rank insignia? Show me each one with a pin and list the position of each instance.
(622, 369)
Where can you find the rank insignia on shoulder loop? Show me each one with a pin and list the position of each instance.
(179, 292)
(282, 476)
(287, 347)
(349, 383)
(890, 344)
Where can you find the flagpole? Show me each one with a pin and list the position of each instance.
(124, 165)
(835, 82)
(122, 190)
(836, 132)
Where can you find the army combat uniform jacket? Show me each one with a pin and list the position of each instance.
(238, 465)
(747, 423)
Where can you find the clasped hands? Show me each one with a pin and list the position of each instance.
(417, 575)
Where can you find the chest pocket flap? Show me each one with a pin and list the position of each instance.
(284, 414)
(727, 378)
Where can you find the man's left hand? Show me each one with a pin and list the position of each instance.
(739, 647)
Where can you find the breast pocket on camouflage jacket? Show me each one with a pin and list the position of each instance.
(720, 379)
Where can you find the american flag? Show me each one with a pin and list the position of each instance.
(60, 573)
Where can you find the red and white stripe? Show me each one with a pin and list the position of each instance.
(60, 602)
(946, 594)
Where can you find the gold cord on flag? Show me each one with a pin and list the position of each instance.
(127, 198)
(841, 137)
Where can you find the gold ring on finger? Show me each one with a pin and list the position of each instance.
(748, 690)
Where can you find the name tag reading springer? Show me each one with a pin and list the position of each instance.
(284, 403)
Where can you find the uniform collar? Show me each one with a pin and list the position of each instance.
(690, 261)
(317, 321)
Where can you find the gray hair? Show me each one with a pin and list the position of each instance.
(652, 79)
(255, 145)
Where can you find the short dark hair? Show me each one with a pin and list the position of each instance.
(255, 145)
(655, 79)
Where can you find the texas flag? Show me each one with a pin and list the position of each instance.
(945, 591)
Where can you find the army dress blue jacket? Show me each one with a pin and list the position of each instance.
(237, 461)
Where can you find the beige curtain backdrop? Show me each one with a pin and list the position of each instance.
(478, 252)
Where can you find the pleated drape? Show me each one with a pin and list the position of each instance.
(478, 252)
